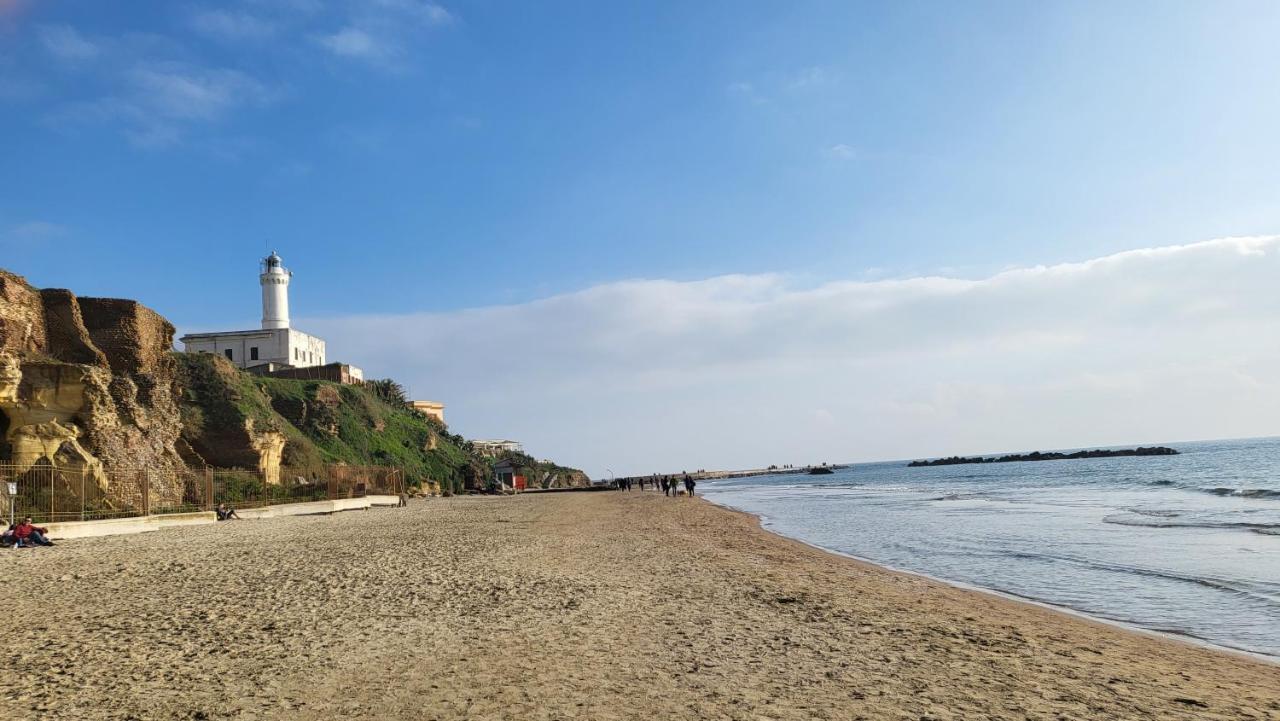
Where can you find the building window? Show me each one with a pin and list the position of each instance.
(228, 352)
(253, 353)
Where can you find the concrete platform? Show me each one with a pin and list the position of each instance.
(135, 524)
(146, 524)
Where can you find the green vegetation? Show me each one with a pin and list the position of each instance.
(325, 422)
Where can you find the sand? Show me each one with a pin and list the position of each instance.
(559, 606)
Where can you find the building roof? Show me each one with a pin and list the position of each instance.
(255, 331)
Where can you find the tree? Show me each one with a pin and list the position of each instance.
(389, 391)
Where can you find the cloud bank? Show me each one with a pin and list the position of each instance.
(1160, 344)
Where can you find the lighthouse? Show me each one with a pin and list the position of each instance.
(276, 348)
(275, 292)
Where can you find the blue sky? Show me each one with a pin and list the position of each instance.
(419, 159)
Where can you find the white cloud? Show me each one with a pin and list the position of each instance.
(748, 92)
(352, 42)
(381, 32)
(134, 83)
(193, 93)
(155, 104)
(425, 13)
(66, 43)
(293, 7)
(1151, 345)
(232, 26)
(811, 77)
(840, 151)
(34, 230)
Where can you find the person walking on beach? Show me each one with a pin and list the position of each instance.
(665, 486)
(689, 483)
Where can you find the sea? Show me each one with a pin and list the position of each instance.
(1186, 545)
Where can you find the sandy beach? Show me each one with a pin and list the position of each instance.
(559, 606)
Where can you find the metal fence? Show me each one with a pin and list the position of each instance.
(51, 493)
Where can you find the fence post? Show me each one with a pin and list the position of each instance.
(208, 488)
(146, 493)
(51, 496)
(82, 491)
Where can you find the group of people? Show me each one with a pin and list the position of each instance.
(25, 534)
(670, 485)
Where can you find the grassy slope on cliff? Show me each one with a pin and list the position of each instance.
(326, 422)
(217, 400)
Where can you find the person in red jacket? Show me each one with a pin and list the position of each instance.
(28, 534)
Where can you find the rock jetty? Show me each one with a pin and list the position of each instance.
(1052, 456)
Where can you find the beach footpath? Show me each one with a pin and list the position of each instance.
(559, 606)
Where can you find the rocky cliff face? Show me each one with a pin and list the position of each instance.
(93, 384)
(85, 383)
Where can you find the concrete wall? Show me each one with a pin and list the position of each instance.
(336, 372)
(145, 524)
(137, 524)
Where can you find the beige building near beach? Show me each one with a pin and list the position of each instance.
(435, 409)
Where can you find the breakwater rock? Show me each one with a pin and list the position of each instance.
(1052, 456)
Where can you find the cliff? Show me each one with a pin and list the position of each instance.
(229, 416)
(546, 474)
(86, 383)
(93, 384)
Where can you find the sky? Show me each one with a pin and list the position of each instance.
(676, 235)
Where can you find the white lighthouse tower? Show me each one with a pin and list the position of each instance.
(276, 347)
(275, 292)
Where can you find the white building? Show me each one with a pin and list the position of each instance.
(275, 343)
(496, 446)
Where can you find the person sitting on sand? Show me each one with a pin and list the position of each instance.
(29, 534)
(689, 483)
(6, 538)
(226, 514)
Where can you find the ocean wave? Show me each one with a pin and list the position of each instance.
(961, 497)
(1220, 490)
(1259, 591)
(1154, 512)
(1133, 518)
(1243, 492)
